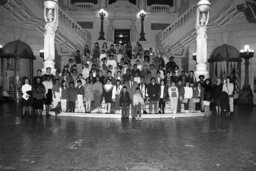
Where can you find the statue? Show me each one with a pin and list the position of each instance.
(201, 28)
(202, 19)
(51, 19)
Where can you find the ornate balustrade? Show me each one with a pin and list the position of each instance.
(160, 8)
(84, 6)
(179, 22)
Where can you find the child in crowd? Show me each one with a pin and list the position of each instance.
(116, 95)
(88, 95)
(56, 93)
(138, 101)
(207, 97)
(192, 102)
(80, 95)
(173, 92)
(107, 94)
(188, 94)
(125, 102)
(71, 97)
(162, 98)
(97, 93)
(63, 96)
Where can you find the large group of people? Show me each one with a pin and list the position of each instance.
(127, 80)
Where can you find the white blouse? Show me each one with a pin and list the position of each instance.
(25, 88)
(48, 86)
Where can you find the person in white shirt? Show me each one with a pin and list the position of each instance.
(26, 98)
(119, 56)
(228, 87)
(86, 71)
(103, 55)
(139, 66)
(116, 95)
(188, 94)
(112, 62)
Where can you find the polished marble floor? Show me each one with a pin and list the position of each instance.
(93, 144)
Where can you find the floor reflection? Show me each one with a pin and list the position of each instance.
(112, 144)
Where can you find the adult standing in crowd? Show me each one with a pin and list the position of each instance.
(26, 100)
(153, 95)
(228, 88)
(38, 97)
(131, 88)
(217, 91)
(48, 84)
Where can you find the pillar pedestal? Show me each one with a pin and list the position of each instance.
(201, 69)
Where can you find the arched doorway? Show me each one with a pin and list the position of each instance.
(225, 61)
(16, 63)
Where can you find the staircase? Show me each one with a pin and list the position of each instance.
(31, 12)
(182, 31)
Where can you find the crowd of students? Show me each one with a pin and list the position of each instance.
(127, 80)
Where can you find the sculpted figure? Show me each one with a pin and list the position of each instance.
(201, 28)
(51, 19)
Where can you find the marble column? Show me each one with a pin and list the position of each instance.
(134, 34)
(202, 19)
(51, 19)
(110, 31)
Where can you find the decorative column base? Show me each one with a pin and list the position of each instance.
(201, 69)
(51, 64)
(246, 96)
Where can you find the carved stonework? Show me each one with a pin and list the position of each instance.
(2, 2)
(248, 7)
(123, 7)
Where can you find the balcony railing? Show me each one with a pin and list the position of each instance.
(161, 9)
(84, 6)
(179, 22)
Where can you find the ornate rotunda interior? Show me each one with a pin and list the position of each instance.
(213, 38)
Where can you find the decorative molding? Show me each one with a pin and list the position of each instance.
(248, 7)
(123, 7)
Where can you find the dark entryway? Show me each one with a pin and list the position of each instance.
(122, 36)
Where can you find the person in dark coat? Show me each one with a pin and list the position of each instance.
(217, 93)
(207, 97)
(48, 73)
(170, 66)
(38, 97)
(153, 90)
(181, 95)
(125, 102)
(131, 88)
